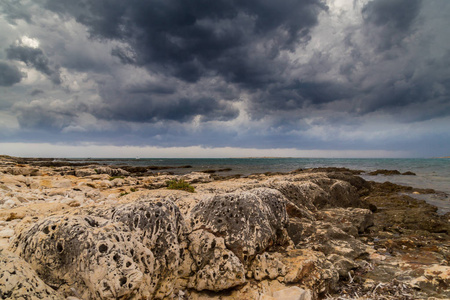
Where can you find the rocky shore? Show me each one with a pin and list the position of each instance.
(92, 231)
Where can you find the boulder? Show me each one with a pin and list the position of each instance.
(250, 222)
(19, 281)
(132, 249)
(214, 267)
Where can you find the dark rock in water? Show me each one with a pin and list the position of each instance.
(409, 173)
(385, 172)
(250, 222)
(390, 172)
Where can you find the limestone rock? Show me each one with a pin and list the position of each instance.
(215, 267)
(297, 193)
(267, 266)
(85, 172)
(329, 239)
(19, 281)
(292, 293)
(195, 177)
(124, 251)
(351, 220)
(250, 222)
(25, 171)
(310, 268)
(342, 264)
(111, 171)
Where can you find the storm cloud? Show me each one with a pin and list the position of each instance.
(36, 58)
(309, 74)
(9, 74)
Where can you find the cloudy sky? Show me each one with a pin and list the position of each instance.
(202, 78)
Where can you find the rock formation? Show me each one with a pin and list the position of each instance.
(84, 233)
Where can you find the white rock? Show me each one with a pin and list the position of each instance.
(6, 233)
(292, 293)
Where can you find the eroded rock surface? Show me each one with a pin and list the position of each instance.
(130, 250)
(19, 281)
(98, 232)
(250, 222)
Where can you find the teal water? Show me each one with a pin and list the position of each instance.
(431, 173)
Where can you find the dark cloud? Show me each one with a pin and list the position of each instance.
(36, 92)
(48, 115)
(395, 18)
(9, 74)
(192, 39)
(35, 58)
(149, 108)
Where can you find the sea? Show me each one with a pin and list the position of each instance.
(431, 173)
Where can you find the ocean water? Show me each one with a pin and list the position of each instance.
(431, 173)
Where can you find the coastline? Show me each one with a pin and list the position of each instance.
(381, 241)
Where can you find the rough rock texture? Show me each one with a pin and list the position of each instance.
(265, 236)
(250, 222)
(214, 267)
(132, 249)
(351, 220)
(327, 238)
(19, 281)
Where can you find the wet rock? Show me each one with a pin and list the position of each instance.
(19, 281)
(250, 222)
(385, 172)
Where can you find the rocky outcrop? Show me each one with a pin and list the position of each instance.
(304, 235)
(250, 222)
(128, 250)
(19, 281)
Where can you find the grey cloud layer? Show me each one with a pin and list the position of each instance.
(271, 72)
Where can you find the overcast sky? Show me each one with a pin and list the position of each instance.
(202, 78)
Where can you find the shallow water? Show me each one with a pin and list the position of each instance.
(431, 173)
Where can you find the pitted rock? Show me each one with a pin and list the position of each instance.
(19, 281)
(250, 222)
(130, 250)
(214, 267)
